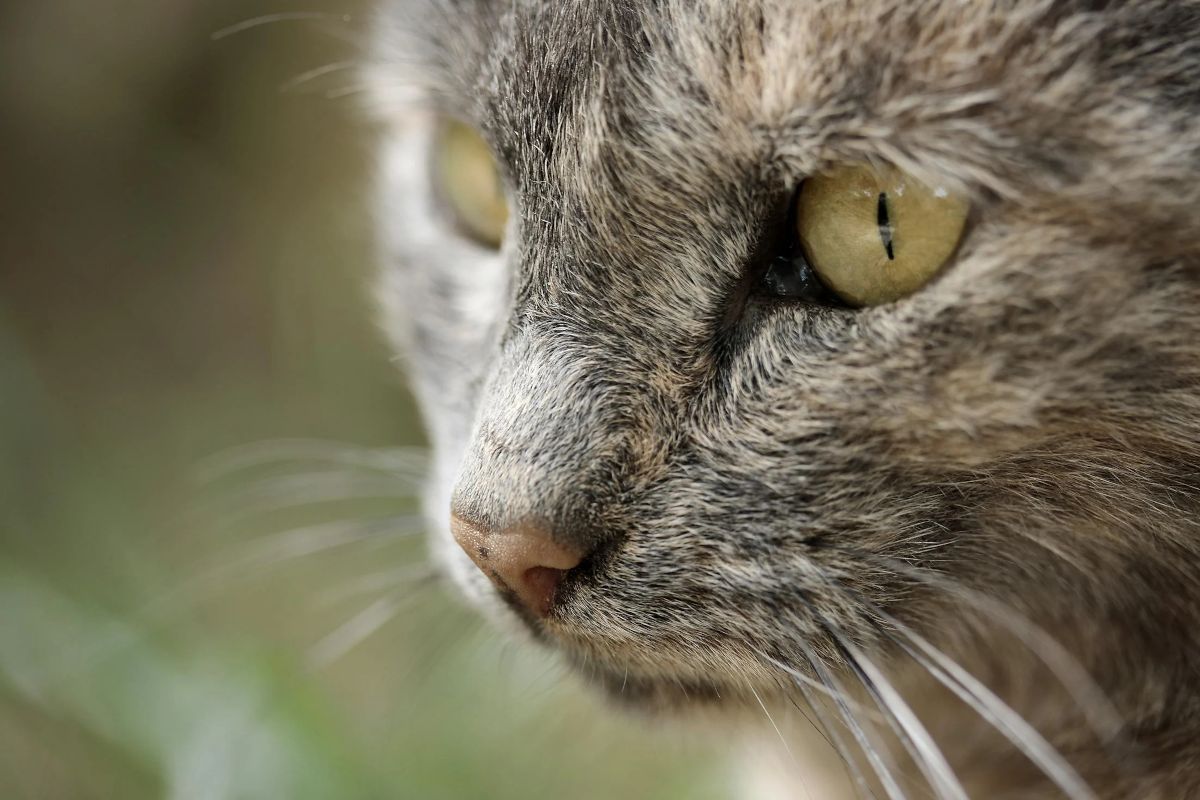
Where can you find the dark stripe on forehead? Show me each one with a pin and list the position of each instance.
(557, 57)
(517, 69)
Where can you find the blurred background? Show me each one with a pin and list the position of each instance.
(212, 579)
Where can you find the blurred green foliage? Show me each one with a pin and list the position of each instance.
(183, 268)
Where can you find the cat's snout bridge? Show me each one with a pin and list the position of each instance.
(523, 561)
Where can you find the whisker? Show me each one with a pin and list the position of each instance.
(992, 709)
(1102, 716)
(318, 72)
(169, 605)
(270, 551)
(805, 681)
(980, 699)
(270, 19)
(347, 91)
(779, 733)
(909, 729)
(407, 461)
(869, 750)
(312, 539)
(385, 580)
(293, 492)
(356, 630)
(829, 729)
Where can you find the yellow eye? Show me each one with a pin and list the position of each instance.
(874, 236)
(469, 180)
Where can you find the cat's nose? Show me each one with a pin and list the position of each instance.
(524, 561)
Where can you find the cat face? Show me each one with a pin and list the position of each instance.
(754, 480)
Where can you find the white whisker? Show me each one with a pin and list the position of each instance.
(303, 491)
(318, 72)
(270, 19)
(1102, 716)
(404, 460)
(385, 580)
(806, 681)
(929, 757)
(868, 748)
(778, 733)
(354, 632)
(261, 554)
(993, 710)
(307, 541)
(347, 91)
(835, 740)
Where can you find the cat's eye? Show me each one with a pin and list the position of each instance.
(873, 236)
(469, 181)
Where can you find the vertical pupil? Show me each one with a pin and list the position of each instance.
(885, 226)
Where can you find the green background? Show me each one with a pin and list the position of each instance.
(207, 458)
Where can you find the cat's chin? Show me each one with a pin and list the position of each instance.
(647, 679)
(654, 695)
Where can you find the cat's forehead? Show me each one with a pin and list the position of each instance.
(930, 83)
(646, 139)
(985, 91)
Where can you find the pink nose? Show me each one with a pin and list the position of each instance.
(523, 560)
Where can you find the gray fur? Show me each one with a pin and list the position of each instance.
(760, 479)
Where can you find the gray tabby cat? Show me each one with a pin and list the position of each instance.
(841, 356)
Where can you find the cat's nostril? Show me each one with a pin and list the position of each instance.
(523, 560)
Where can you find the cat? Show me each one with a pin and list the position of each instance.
(809, 360)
